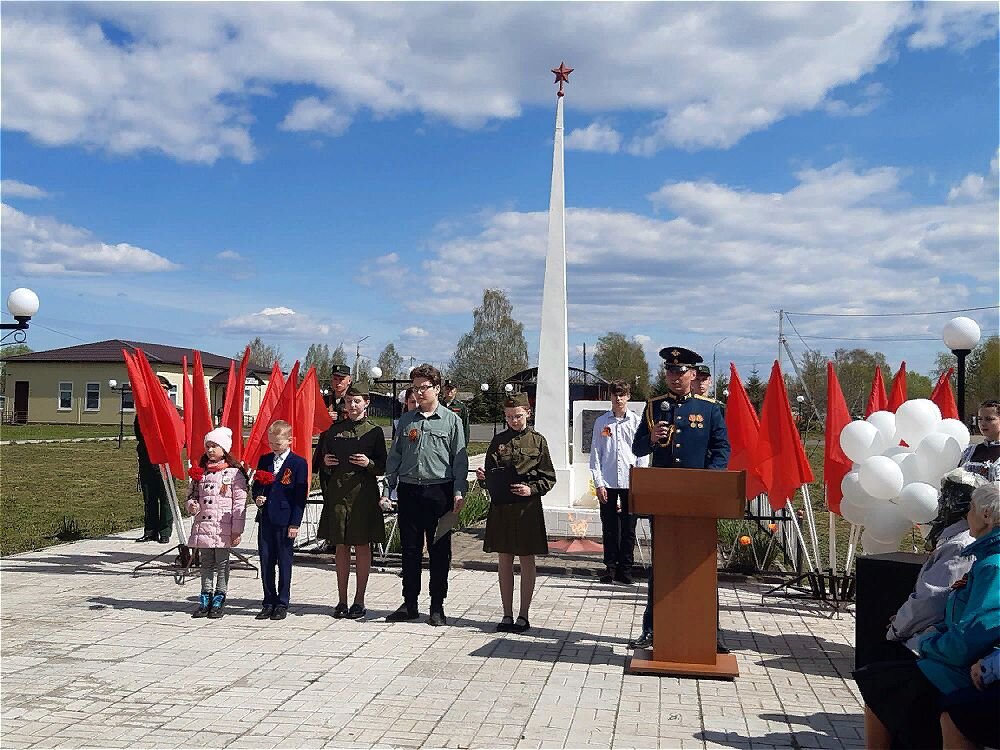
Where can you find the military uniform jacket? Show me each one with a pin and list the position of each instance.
(527, 453)
(462, 411)
(698, 440)
(347, 481)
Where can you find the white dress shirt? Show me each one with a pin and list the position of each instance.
(279, 460)
(611, 454)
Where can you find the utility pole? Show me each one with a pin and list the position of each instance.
(781, 333)
(357, 358)
(584, 363)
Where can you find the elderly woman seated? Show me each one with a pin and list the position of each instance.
(971, 717)
(947, 540)
(904, 698)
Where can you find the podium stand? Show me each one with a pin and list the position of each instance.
(685, 504)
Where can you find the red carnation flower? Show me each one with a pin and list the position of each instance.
(263, 477)
(196, 473)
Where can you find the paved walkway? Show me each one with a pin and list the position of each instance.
(94, 657)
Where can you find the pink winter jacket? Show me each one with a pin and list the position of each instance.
(217, 503)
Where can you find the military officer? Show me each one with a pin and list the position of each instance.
(450, 402)
(340, 381)
(679, 430)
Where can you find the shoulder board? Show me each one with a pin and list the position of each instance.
(658, 398)
(705, 398)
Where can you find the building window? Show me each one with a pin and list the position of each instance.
(172, 392)
(128, 402)
(93, 397)
(246, 400)
(65, 396)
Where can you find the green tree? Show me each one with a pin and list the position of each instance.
(617, 357)
(390, 361)
(262, 354)
(755, 388)
(982, 374)
(494, 349)
(10, 350)
(855, 370)
(318, 356)
(339, 356)
(918, 386)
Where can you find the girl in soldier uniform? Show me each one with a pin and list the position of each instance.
(518, 471)
(351, 513)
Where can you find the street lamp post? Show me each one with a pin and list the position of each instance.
(800, 399)
(715, 374)
(961, 336)
(22, 304)
(113, 385)
(485, 388)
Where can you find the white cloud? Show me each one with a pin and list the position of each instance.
(976, 187)
(595, 137)
(17, 189)
(283, 321)
(643, 339)
(311, 114)
(415, 332)
(183, 78)
(41, 246)
(230, 255)
(384, 271)
(870, 97)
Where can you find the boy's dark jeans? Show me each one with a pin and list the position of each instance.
(420, 507)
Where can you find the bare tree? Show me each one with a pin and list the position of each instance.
(262, 354)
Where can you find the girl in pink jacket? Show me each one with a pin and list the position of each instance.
(216, 500)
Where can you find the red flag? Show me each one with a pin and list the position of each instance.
(256, 444)
(232, 412)
(188, 395)
(285, 407)
(897, 395)
(744, 430)
(311, 415)
(836, 464)
(780, 456)
(226, 402)
(144, 411)
(944, 397)
(201, 412)
(168, 421)
(877, 401)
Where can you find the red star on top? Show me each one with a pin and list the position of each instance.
(562, 76)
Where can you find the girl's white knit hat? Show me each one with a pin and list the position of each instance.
(222, 437)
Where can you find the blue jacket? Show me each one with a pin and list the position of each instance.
(971, 624)
(699, 439)
(286, 496)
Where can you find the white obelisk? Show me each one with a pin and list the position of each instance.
(552, 396)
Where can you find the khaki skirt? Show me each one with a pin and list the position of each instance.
(517, 528)
(353, 521)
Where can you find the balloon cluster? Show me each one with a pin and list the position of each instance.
(899, 460)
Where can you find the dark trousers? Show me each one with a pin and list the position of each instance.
(156, 508)
(275, 549)
(618, 530)
(420, 507)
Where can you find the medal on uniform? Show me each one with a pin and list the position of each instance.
(413, 434)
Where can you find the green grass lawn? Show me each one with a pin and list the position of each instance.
(59, 431)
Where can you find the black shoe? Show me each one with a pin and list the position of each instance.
(622, 576)
(608, 577)
(437, 619)
(720, 649)
(505, 624)
(218, 601)
(643, 641)
(204, 605)
(279, 613)
(340, 611)
(265, 612)
(405, 612)
(164, 539)
(356, 612)
(520, 625)
(147, 538)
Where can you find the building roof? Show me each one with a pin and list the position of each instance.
(576, 375)
(111, 351)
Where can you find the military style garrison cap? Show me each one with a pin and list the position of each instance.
(678, 355)
(514, 400)
(357, 389)
(450, 384)
(703, 369)
(341, 370)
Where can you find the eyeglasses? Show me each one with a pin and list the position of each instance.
(422, 388)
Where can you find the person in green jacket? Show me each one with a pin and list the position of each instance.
(449, 392)
(518, 460)
(351, 513)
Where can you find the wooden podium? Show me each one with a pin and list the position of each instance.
(685, 504)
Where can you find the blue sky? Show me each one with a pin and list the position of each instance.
(200, 174)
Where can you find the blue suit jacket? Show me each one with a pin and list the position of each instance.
(699, 440)
(286, 496)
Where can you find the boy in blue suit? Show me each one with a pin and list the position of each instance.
(280, 506)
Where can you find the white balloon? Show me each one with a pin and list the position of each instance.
(900, 456)
(885, 423)
(850, 487)
(852, 512)
(913, 469)
(938, 454)
(881, 477)
(957, 430)
(861, 439)
(919, 502)
(885, 523)
(872, 546)
(916, 419)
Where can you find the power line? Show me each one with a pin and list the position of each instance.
(892, 315)
(881, 338)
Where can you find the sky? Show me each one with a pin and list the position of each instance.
(199, 174)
